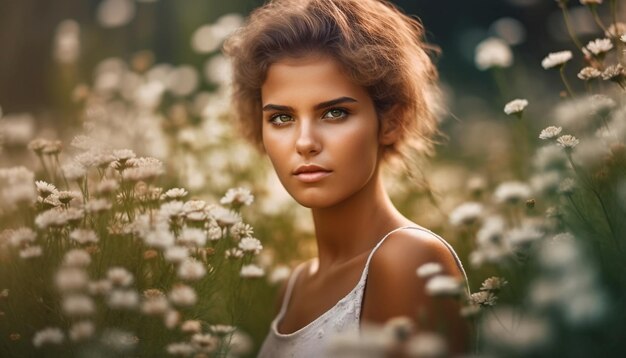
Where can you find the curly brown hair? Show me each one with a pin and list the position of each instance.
(378, 46)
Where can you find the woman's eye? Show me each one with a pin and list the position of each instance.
(336, 113)
(280, 119)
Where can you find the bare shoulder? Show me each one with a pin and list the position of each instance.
(393, 287)
(405, 250)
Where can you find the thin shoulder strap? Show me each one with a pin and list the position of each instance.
(290, 284)
(456, 257)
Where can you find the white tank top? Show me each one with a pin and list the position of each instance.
(311, 340)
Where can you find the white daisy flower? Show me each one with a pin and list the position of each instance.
(427, 345)
(154, 306)
(493, 52)
(182, 349)
(119, 276)
(241, 229)
(144, 169)
(443, 285)
(516, 106)
(81, 330)
(556, 59)
(567, 186)
(175, 193)
(223, 216)
(429, 269)
(44, 189)
(279, 274)
(251, 271)
(214, 232)
(567, 141)
(161, 239)
(171, 319)
(206, 343)
(191, 270)
(466, 213)
(100, 287)
(123, 299)
(194, 206)
(222, 329)
(49, 335)
(84, 236)
(493, 284)
(240, 196)
(599, 46)
(250, 244)
(172, 209)
(77, 258)
(233, 253)
(589, 73)
(176, 254)
(182, 295)
(119, 340)
(71, 279)
(21, 236)
(483, 298)
(73, 171)
(78, 305)
(191, 326)
(512, 192)
(523, 235)
(51, 218)
(614, 73)
(192, 237)
(31, 252)
(122, 155)
(550, 132)
(94, 206)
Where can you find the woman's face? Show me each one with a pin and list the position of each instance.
(320, 130)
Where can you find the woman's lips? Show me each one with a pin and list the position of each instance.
(311, 177)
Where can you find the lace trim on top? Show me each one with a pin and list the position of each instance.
(354, 304)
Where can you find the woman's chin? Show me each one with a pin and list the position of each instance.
(313, 201)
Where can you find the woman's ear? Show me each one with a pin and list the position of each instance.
(390, 127)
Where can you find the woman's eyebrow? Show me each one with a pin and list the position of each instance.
(332, 102)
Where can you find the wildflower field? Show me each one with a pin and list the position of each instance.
(136, 222)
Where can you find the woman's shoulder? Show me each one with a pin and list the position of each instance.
(405, 250)
(393, 286)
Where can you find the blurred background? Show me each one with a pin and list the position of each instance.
(165, 27)
(148, 75)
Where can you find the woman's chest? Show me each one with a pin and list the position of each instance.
(314, 298)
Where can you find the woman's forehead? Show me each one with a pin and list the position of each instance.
(308, 76)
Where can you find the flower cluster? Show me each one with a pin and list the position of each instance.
(118, 243)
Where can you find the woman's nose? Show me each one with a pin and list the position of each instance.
(307, 142)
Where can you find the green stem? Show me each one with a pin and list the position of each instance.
(498, 77)
(618, 42)
(596, 18)
(597, 195)
(568, 24)
(45, 168)
(564, 79)
(523, 146)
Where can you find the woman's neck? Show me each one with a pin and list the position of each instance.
(353, 227)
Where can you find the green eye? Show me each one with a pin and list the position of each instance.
(280, 119)
(336, 113)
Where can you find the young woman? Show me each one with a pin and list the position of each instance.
(331, 90)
